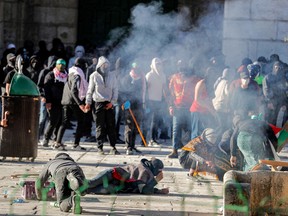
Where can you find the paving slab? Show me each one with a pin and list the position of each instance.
(187, 197)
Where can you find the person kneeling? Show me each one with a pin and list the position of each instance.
(69, 180)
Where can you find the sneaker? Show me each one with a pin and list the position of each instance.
(153, 143)
(129, 151)
(90, 139)
(78, 147)
(76, 207)
(100, 151)
(45, 143)
(114, 151)
(173, 155)
(136, 150)
(59, 146)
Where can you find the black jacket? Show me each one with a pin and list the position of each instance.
(53, 89)
(70, 92)
(51, 64)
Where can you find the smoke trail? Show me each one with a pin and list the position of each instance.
(169, 36)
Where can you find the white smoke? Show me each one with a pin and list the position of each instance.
(169, 36)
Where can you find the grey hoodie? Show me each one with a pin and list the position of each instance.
(102, 87)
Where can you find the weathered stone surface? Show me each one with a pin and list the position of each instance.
(269, 10)
(237, 50)
(56, 3)
(67, 34)
(56, 16)
(250, 29)
(237, 9)
(265, 24)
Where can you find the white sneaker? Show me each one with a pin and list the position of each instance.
(154, 143)
(59, 147)
(79, 148)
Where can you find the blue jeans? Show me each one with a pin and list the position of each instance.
(201, 121)
(181, 121)
(197, 126)
(42, 119)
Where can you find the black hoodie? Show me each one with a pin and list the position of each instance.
(50, 65)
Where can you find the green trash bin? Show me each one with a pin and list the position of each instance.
(21, 107)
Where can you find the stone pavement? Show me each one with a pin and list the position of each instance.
(186, 197)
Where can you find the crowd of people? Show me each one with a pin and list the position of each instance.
(227, 115)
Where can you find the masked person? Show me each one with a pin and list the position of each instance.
(73, 101)
(103, 91)
(134, 82)
(244, 97)
(141, 178)
(181, 86)
(53, 90)
(156, 88)
(275, 93)
(79, 53)
(69, 181)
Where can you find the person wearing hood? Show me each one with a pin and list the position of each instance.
(274, 90)
(9, 76)
(69, 179)
(43, 111)
(134, 82)
(73, 101)
(11, 48)
(53, 89)
(34, 68)
(156, 89)
(9, 67)
(141, 178)
(79, 53)
(103, 91)
(220, 101)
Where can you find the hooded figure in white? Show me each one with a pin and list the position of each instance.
(79, 53)
(156, 80)
(102, 84)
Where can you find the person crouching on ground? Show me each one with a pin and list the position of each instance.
(69, 181)
(141, 178)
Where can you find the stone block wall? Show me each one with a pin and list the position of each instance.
(38, 20)
(254, 28)
(1, 26)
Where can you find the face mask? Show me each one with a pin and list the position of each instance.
(79, 54)
(245, 82)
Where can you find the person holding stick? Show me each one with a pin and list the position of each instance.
(134, 82)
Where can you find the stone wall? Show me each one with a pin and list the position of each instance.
(254, 28)
(38, 20)
(1, 26)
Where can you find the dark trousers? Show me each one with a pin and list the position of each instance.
(181, 121)
(68, 111)
(63, 192)
(130, 126)
(105, 124)
(101, 183)
(155, 107)
(55, 116)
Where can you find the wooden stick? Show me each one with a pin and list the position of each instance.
(138, 128)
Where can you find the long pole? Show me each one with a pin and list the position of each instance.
(138, 128)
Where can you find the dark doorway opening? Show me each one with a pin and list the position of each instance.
(96, 18)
